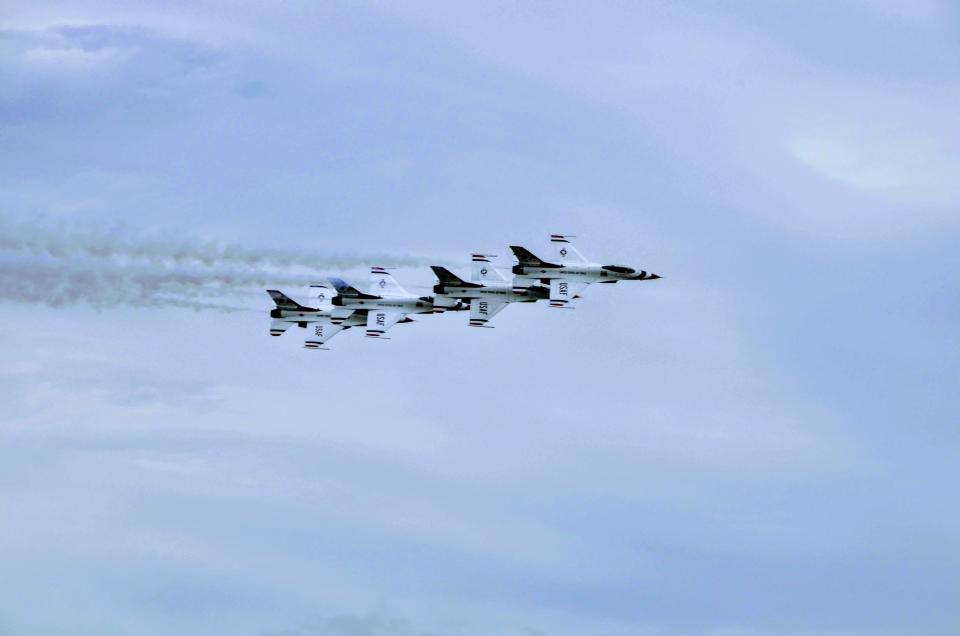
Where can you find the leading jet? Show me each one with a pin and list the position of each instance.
(386, 304)
(567, 272)
(487, 292)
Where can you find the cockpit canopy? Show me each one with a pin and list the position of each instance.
(620, 269)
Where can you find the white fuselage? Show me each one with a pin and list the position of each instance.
(405, 304)
(578, 272)
(503, 292)
(584, 272)
(294, 316)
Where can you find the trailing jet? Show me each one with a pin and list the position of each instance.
(488, 292)
(386, 304)
(318, 320)
(568, 272)
(289, 312)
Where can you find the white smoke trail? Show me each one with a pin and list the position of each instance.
(63, 282)
(65, 240)
(118, 267)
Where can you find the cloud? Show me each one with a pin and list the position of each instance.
(650, 463)
(106, 71)
(69, 58)
(910, 169)
(382, 624)
(716, 95)
(373, 624)
(920, 11)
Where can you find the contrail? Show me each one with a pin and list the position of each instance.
(66, 240)
(116, 267)
(104, 284)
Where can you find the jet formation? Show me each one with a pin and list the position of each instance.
(559, 279)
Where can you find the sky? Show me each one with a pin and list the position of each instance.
(763, 442)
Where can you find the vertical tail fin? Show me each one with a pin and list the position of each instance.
(563, 251)
(323, 293)
(384, 284)
(526, 258)
(446, 277)
(484, 271)
(286, 303)
(345, 289)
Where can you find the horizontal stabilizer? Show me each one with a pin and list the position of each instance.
(277, 327)
(339, 315)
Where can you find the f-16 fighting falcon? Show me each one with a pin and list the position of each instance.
(318, 320)
(386, 304)
(488, 292)
(561, 279)
(568, 272)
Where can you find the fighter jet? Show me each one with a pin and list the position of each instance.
(318, 320)
(289, 312)
(567, 272)
(488, 292)
(386, 304)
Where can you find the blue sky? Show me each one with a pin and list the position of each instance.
(762, 443)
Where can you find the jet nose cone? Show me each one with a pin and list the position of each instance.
(655, 276)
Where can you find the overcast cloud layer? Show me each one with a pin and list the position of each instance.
(764, 442)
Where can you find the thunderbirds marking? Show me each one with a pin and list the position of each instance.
(560, 279)
(567, 272)
(318, 320)
(387, 303)
(488, 293)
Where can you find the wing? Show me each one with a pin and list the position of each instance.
(383, 284)
(482, 311)
(562, 291)
(321, 333)
(563, 251)
(277, 327)
(379, 320)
